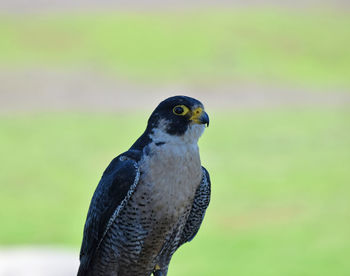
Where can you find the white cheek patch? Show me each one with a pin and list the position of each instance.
(194, 131)
(163, 125)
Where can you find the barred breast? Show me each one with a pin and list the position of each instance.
(152, 221)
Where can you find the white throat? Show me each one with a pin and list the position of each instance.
(191, 135)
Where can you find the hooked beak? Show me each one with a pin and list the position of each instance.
(199, 116)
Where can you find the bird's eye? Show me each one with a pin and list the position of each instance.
(180, 110)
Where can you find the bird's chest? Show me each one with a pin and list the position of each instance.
(170, 175)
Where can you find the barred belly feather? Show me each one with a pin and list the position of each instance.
(148, 229)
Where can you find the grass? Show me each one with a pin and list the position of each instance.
(297, 47)
(280, 181)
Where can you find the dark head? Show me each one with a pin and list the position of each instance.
(178, 119)
(177, 114)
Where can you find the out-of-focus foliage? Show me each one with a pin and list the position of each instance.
(298, 47)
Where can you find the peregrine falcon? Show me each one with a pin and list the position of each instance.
(151, 199)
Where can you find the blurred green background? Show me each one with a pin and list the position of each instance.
(275, 81)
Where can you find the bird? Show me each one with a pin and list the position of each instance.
(151, 199)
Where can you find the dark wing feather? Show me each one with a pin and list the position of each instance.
(199, 206)
(114, 189)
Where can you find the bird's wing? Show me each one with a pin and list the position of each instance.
(116, 186)
(199, 206)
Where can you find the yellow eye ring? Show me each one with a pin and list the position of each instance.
(180, 110)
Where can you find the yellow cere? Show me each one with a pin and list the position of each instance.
(196, 113)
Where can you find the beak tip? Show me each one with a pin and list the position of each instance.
(205, 119)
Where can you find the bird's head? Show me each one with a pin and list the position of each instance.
(178, 117)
